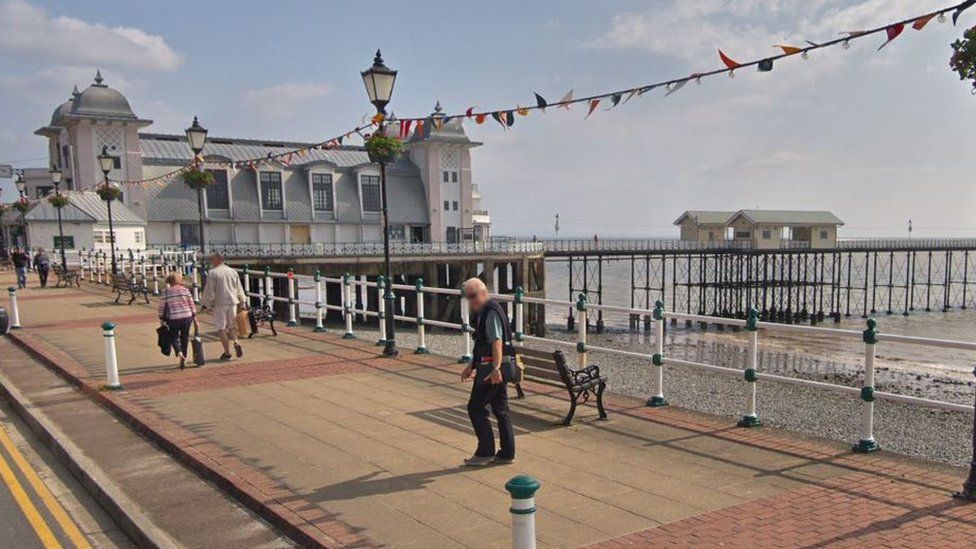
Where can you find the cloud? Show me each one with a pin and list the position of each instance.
(28, 30)
(284, 99)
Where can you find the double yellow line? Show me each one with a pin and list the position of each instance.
(27, 506)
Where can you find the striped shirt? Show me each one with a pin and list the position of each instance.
(175, 303)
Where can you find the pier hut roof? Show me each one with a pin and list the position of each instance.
(788, 218)
(706, 217)
(84, 206)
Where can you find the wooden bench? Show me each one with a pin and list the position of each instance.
(551, 369)
(67, 277)
(122, 284)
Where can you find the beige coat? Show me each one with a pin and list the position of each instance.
(223, 288)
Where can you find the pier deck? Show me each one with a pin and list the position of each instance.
(347, 448)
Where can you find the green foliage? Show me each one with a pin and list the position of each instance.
(382, 148)
(963, 60)
(22, 206)
(195, 178)
(58, 200)
(108, 193)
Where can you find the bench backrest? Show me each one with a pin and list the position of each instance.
(120, 280)
(544, 367)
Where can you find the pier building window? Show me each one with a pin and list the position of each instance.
(823, 235)
(322, 192)
(447, 205)
(44, 190)
(454, 205)
(369, 189)
(218, 197)
(767, 234)
(271, 196)
(68, 241)
(398, 232)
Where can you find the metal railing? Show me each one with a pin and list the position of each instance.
(362, 249)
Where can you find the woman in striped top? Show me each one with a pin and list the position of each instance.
(177, 312)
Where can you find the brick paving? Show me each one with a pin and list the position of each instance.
(336, 446)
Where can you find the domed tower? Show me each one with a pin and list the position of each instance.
(97, 117)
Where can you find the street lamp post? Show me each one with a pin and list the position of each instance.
(22, 189)
(196, 136)
(56, 179)
(106, 162)
(379, 80)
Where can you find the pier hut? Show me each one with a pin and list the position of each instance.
(772, 229)
(704, 225)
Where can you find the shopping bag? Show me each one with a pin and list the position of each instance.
(243, 324)
(196, 346)
(163, 340)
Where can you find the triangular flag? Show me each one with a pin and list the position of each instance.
(893, 31)
(567, 99)
(509, 118)
(675, 86)
(646, 89)
(522, 111)
(480, 118)
(339, 140)
(420, 127)
(962, 7)
(631, 94)
(541, 102)
(765, 65)
(789, 50)
(498, 118)
(469, 112)
(593, 104)
(920, 23)
(729, 62)
(614, 100)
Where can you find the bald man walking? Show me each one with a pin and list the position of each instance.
(492, 347)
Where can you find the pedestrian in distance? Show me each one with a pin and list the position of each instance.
(177, 312)
(21, 262)
(224, 296)
(492, 353)
(42, 264)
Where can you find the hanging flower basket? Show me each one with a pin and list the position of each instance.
(3, 209)
(382, 148)
(196, 178)
(108, 193)
(58, 200)
(22, 206)
(963, 60)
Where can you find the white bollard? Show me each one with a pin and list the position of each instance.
(867, 443)
(581, 342)
(421, 329)
(519, 317)
(319, 303)
(347, 307)
(466, 329)
(195, 272)
(750, 419)
(246, 282)
(657, 380)
(292, 303)
(522, 489)
(14, 312)
(111, 362)
(268, 288)
(155, 277)
(381, 308)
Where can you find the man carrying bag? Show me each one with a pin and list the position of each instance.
(492, 368)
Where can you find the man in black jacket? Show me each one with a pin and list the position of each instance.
(492, 347)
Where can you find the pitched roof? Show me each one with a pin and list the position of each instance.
(706, 217)
(85, 207)
(173, 149)
(789, 217)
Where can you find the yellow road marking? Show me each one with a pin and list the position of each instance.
(27, 507)
(60, 515)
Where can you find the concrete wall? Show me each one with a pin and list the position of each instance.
(42, 234)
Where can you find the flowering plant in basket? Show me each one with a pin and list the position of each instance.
(382, 148)
(963, 59)
(58, 200)
(196, 179)
(108, 193)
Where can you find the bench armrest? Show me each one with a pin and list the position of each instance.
(591, 372)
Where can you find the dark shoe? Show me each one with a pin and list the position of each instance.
(498, 460)
(238, 350)
(182, 363)
(477, 461)
(225, 356)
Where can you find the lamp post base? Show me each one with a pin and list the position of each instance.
(657, 402)
(866, 446)
(750, 421)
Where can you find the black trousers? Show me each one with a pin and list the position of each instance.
(496, 396)
(42, 273)
(179, 335)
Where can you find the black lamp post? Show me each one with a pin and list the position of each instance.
(379, 80)
(196, 136)
(106, 162)
(22, 189)
(56, 179)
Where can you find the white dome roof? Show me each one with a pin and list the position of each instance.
(101, 101)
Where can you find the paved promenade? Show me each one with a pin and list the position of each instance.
(336, 446)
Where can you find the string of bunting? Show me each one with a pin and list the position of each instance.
(283, 158)
(506, 117)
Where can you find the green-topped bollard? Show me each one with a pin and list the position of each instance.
(522, 489)
(750, 419)
(421, 330)
(519, 316)
(319, 303)
(292, 301)
(657, 381)
(347, 306)
(466, 329)
(14, 311)
(112, 382)
(582, 321)
(866, 443)
(381, 310)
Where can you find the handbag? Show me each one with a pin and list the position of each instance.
(243, 323)
(196, 346)
(163, 340)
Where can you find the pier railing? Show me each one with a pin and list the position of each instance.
(355, 302)
(365, 249)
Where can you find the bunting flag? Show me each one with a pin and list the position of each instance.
(614, 100)
(729, 62)
(498, 118)
(675, 87)
(540, 102)
(480, 118)
(766, 65)
(522, 111)
(566, 101)
(631, 95)
(593, 105)
(405, 126)
(893, 32)
(789, 50)
(469, 112)
(961, 8)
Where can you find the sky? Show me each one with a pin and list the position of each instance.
(876, 137)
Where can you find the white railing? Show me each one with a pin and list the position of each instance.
(360, 249)
(147, 266)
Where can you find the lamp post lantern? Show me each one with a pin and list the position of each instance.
(196, 136)
(379, 80)
(22, 189)
(106, 162)
(56, 179)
